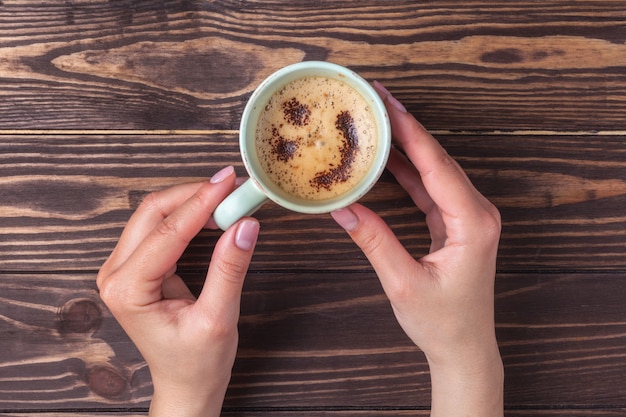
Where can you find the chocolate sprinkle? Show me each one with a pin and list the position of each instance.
(296, 113)
(283, 148)
(341, 173)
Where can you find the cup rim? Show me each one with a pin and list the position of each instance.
(259, 98)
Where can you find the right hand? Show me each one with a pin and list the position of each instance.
(444, 300)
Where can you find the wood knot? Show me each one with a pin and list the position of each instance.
(107, 381)
(503, 56)
(518, 56)
(80, 315)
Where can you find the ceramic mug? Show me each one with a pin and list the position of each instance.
(259, 189)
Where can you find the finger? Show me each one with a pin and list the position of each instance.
(443, 178)
(211, 223)
(221, 294)
(388, 257)
(152, 210)
(410, 180)
(164, 245)
(408, 177)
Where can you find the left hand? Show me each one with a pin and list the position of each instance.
(188, 343)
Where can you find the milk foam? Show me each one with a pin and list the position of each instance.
(316, 138)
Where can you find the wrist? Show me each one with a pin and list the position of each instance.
(470, 380)
(466, 356)
(173, 403)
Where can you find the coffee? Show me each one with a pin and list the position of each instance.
(316, 138)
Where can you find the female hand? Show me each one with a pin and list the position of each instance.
(444, 300)
(189, 344)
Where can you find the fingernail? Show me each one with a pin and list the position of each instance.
(222, 174)
(387, 96)
(395, 103)
(382, 91)
(246, 235)
(346, 219)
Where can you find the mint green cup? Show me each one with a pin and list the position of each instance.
(259, 189)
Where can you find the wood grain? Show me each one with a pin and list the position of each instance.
(618, 412)
(64, 200)
(479, 65)
(562, 338)
(103, 101)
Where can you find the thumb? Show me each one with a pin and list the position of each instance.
(221, 294)
(392, 263)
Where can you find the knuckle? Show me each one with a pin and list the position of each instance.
(150, 202)
(107, 269)
(492, 222)
(113, 295)
(220, 329)
(486, 229)
(230, 269)
(401, 289)
(101, 277)
(370, 242)
(446, 160)
(399, 292)
(109, 294)
(167, 227)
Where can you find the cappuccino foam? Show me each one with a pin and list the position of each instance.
(316, 138)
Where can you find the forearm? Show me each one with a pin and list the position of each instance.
(471, 386)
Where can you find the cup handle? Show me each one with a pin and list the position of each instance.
(245, 200)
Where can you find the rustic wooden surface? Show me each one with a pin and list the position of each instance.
(103, 101)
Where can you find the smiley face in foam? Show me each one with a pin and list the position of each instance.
(316, 138)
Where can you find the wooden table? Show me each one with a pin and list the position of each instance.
(102, 101)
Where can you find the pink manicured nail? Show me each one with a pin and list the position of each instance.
(395, 103)
(386, 95)
(345, 218)
(380, 89)
(222, 174)
(246, 235)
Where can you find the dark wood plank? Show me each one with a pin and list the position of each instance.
(558, 333)
(542, 85)
(608, 412)
(617, 412)
(65, 199)
(53, 355)
(259, 413)
(189, 64)
(562, 337)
